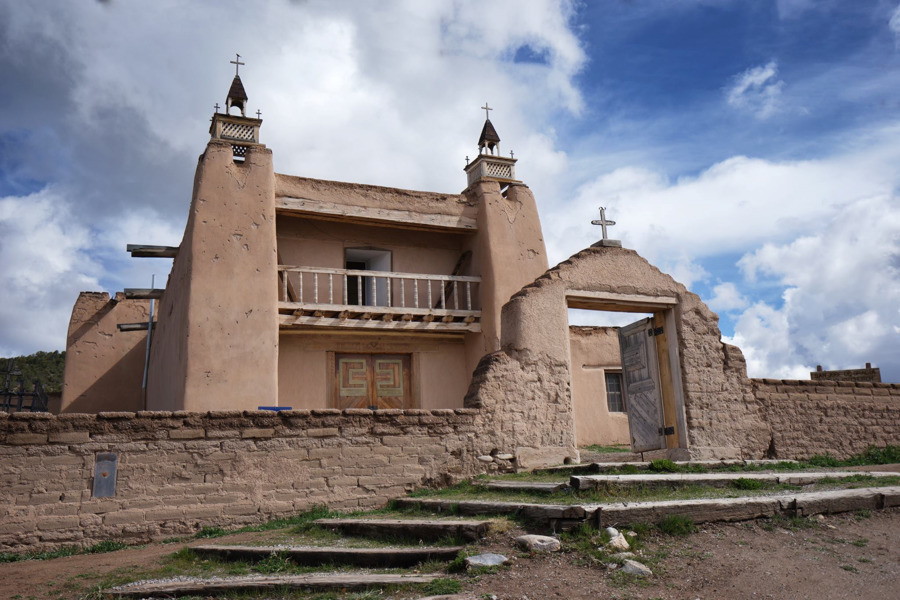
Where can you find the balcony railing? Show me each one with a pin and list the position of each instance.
(318, 296)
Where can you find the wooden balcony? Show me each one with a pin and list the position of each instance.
(348, 298)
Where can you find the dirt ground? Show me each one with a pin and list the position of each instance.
(843, 556)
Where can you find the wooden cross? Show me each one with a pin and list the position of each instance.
(486, 108)
(512, 154)
(259, 114)
(237, 64)
(467, 160)
(216, 107)
(602, 222)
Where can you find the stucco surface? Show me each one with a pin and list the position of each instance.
(372, 196)
(594, 351)
(104, 367)
(306, 375)
(228, 280)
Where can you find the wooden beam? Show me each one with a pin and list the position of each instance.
(332, 211)
(145, 251)
(144, 293)
(134, 326)
(665, 379)
(591, 300)
(310, 321)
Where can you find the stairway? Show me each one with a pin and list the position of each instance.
(333, 563)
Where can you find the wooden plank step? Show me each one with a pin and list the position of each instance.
(416, 529)
(387, 558)
(590, 482)
(527, 486)
(545, 514)
(316, 582)
(739, 509)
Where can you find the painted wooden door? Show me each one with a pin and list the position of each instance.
(372, 381)
(643, 397)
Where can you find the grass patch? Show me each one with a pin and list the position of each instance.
(743, 483)
(98, 548)
(861, 543)
(612, 449)
(850, 568)
(677, 525)
(443, 585)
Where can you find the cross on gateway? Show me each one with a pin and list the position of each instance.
(486, 108)
(603, 222)
(237, 63)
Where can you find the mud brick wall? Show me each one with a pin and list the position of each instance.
(179, 471)
(840, 418)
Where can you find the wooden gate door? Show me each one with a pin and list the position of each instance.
(643, 398)
(372, 381)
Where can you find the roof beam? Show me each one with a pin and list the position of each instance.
(408, 219)
(134, 326)
(144, 293)
(145, 251)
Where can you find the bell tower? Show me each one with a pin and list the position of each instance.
(242, 131)
(489, 164)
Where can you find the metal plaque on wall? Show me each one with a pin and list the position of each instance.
(105, 475)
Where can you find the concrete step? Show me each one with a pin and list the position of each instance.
(546, 487)
(565, 516)
(386, 558)
(740, 509)
(313, 582)
(411, 529)
(606, 466)
(556, 516)
(606, 482)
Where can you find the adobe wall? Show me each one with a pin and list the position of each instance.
(217, 343)
(814, 418)
(180, 471)
(306, 369)
(594, 351)
(104, 366)
(723, 417)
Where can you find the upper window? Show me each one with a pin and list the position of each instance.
(615, 400)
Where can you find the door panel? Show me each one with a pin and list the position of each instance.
(643, 397)
(372, 381)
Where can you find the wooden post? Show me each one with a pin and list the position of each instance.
(665, 380)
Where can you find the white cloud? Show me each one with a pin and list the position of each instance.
(727, 297)
(894, 25)
(46, 262)
(840, 303)
(757, 91)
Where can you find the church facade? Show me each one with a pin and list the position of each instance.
(296, 294)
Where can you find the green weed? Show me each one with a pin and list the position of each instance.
(677, 525)
(443, 585)
(743, 483)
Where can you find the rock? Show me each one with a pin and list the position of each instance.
(612, 532)
(622, 555)
(618, 543)
(636, 568)
(488, 559)
(538, 543)
(485, 458)
(630, 534)
(505, 456)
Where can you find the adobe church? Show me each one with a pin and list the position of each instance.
(297, 294)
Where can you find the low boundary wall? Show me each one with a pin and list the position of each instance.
(840, 418)
(180, 471)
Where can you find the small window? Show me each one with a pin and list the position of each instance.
(615, 401)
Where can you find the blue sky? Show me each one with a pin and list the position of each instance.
(748, 148)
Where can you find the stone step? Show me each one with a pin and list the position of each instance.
(565, 516)
(606, 482)
(313, 582)
(386, 558)
(740, 509)
(557, 516)
(526, 486)
(412, 529)
(603, 467)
